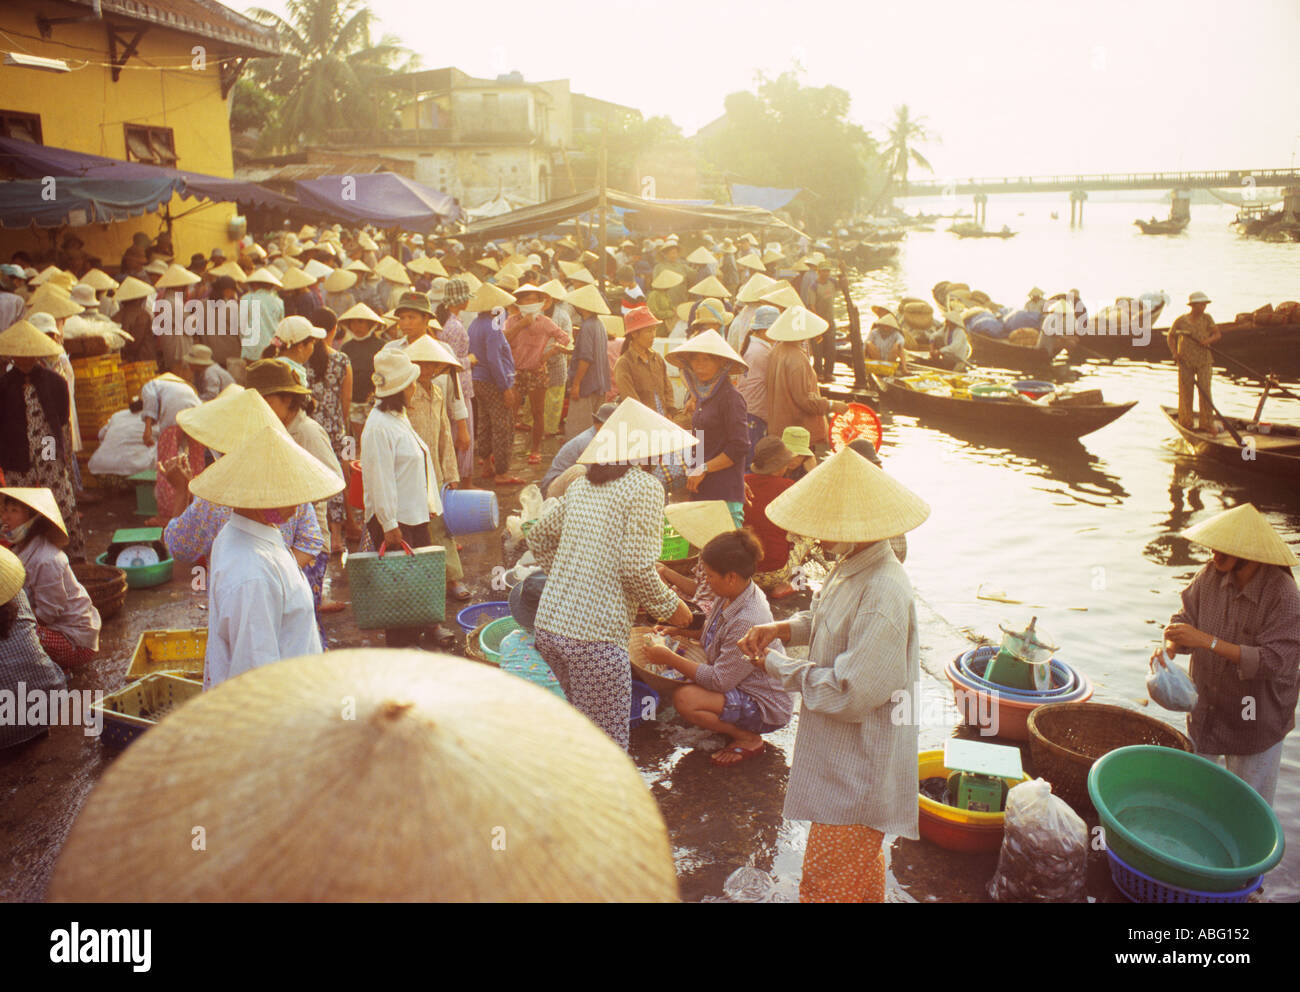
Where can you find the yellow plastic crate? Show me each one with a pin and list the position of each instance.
(132, 710)
(178, 652)
(97, 367)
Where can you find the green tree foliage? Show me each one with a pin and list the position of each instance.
(900, 152)
(251, 107)
(331, 75)
(788, 134)
(626, 141)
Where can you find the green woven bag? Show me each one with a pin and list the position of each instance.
(400, 589)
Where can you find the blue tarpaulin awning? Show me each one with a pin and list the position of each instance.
(57, 201)
(381, 198)
(767, 197)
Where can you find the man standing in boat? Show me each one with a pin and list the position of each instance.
(1190, 338)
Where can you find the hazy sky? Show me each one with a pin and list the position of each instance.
(1011, 88)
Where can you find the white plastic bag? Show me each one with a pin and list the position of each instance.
(530, 501)
(1169, 686)
(1044, 855)
(514, 528)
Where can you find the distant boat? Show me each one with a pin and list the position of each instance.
(976, 231)
(1055, 215)
(1171, 226)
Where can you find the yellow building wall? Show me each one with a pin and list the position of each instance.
(86, 111)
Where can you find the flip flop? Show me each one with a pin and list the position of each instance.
(534, 459)
(460, 592)
(510, 480)
(736, 749)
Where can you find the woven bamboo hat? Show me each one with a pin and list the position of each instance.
(177, 277)
(667, 279)
(427, 266)
(488, 297)
(708, 342)
(358, 266)
(554, 289)
(846, 498)
(488, 263)
(797, 324)
(635, 433)
(710, 311)
(296, 279)
(263, 275)
(43, 502)
(782, 295)
(583, 276)
(45, 275)
(230, 270)
(366, 243)
(700, 521)
(888, 321)
(22, 340)
(751, 261)
(317, 269)
(701, 256)
(133, 289)
(1243, 532)
(391, 269)
(429, 349)
(98, 280)
(226, 421)
(54, 300)
(488, 789)
(755, 287)
(588, 298)
(339, 281)
(269, 470)
(711, 286)
(12, 575)
(360, 311)
(613, 324)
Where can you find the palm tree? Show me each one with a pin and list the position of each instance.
(330, 74)
(900, 153)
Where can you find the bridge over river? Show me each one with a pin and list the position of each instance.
(1236, 179)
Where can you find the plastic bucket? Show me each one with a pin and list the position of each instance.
(469, 617)
(1034, 389)
(356, 493)
(469, 511)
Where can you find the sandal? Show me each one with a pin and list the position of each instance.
(459, 592)
(509, 480)
(745, 755)
(445, 639)
(534, 458)
(332, 606)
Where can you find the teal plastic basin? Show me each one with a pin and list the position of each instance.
(1182, 819)
(492, 636)
(144, 576)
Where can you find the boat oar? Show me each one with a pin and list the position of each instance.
(1281, 390)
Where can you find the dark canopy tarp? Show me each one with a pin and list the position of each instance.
(78, 202)
(381, 198)
(767, 197)
(638, 215)
(29, 161)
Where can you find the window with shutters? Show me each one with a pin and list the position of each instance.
(24, 127)
(154, 145)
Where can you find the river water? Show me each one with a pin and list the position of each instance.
(1086, 535)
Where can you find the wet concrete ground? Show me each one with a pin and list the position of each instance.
(720, 819)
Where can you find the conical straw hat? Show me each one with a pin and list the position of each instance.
(391, 269)
(429, 349)
(751, 261)
(583, 276)
(708, 342)
(474, 281)
(176, 277)
(97, 279)
(428, 266)
(635, 433)
(667, 279)
(230, 270)
(356, 265)
(366, 243)
(45, 275)
(701, 256)
(755, 287)
(53, 300)
(613, 324)
(133, 289)
(772, 255)
(22, 340)
(43, 502)
(488, 296)
(267, 471)
(317, 269)
(569, 268)
(846, 498)
(700, 521)
(339, 281)
(554, 289)
(1243, 532)
(709, 311)
(360, 311)
(226, 421)
(12, 575)
(263, 275)
(588, 298)
(796, 324)
(488, 262)
(296, 279)
(712, 286)
(445, 781)
(782, 295)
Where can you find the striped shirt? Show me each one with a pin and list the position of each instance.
(728, 669)
(853, 764)
(598, 548)
(24, 662)
(1264, 619)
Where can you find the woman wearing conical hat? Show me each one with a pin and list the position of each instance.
(24, 665)
(1240, 622)
(854, 771)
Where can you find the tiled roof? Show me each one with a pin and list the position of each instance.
(205, 18)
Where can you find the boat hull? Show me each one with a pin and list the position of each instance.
(1275, 452)
(1000, 355)
(1273, 348)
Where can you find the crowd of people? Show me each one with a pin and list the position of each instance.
(689, 391)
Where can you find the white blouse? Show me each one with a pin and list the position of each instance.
(397, 472)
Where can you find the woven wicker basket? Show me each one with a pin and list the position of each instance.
(105, 584)
(1066, 738)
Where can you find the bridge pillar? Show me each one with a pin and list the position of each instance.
(1076, 207)
(981, 208)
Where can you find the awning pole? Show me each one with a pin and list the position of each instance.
(604, 224)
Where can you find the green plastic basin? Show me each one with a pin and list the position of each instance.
(144, 576)
(492, 636)
(1182, 819)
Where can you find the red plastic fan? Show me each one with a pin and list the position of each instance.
(855, 422)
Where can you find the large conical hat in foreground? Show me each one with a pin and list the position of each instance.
(12, 575)
(755, 287)
(54, 300)
(43, 502)
(635, 433)
(22, 340)
(370, 775)
(1243, 532)
(700, 521)
(226, 421)
(708, 342)
(846, 498)
(269, 470)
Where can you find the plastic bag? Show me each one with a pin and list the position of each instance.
(530, 502)
(1044, 856)
(514, 527)
(1169, 686)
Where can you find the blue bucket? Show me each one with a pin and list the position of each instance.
(469, 511)
(470, 616)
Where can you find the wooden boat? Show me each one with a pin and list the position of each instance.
(1009, 417)
(1170, 226)
(1269, 348)
(1275, 451)
(1000, 354)
(976, 231)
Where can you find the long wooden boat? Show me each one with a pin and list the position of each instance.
(1170, 226)
(1010, 417)
(1275, 451)
(1000, 354)
(1268, 348)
